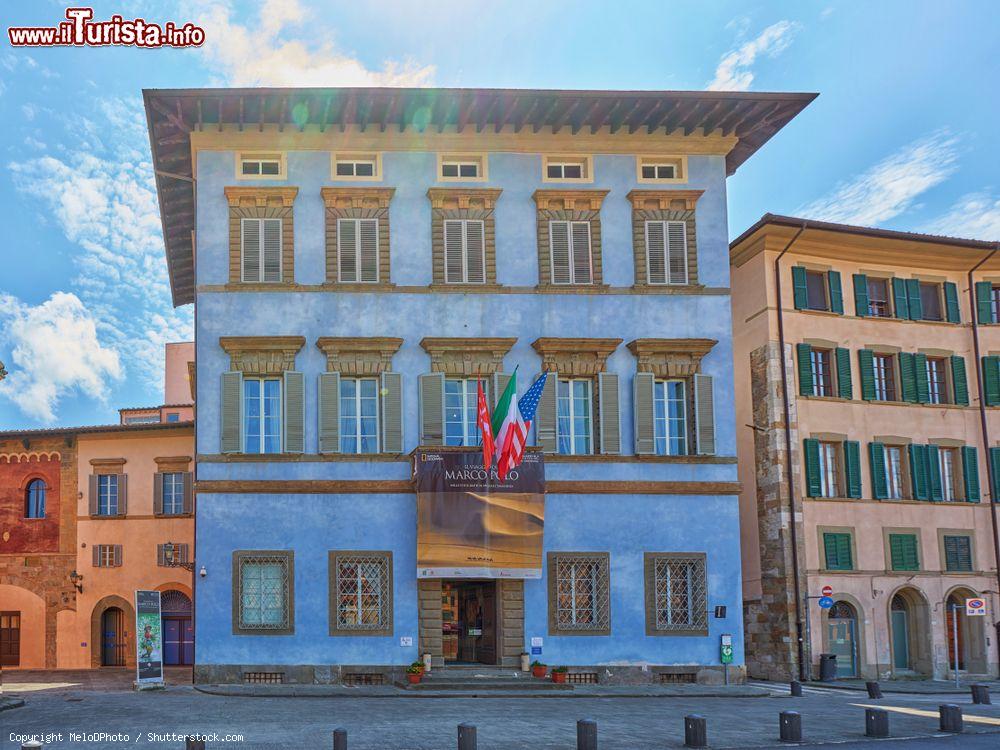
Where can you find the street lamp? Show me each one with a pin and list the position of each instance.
(172, 557)
(75, 579)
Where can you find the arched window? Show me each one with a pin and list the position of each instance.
(34, 505)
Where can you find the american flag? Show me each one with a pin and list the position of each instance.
(512, 453)
(528, 403)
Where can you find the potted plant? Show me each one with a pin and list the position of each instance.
(537, 669)
(414, 673)
(420, 666)
(559, 674)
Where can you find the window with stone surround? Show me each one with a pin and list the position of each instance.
(661, 169)
(357, 235)
(173, 493)
(676, 593)
(34, 500)
(356, 166)
(108, 488)
(463, 236)
(263, 592)
(360, 593)
(664, 238)
(579, 593)
(261, 236)
(569, 238)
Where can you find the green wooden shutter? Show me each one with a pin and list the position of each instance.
(860, 295)
(431, 388)
(994, 472)
(804, 355)
(900, 301)
(800, 291)
(642, 408)
(959, 382)
(392, 412)
(837, 548)
(970, 473)
(921, 378)
(903, 552)
(704, 415)
(918, 471)
(935, 490)
(913, 299)
(907, 377)
(852, 467)
(991, 380)
(957, 553)
(876, 459)
(836, 292)
(845, 388)
(328, 412)
(232, 412)
(984, 302)
(609, 414)
(813, 484)
(866, 367)
(295, 412)
(952, 312)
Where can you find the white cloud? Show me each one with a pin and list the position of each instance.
(974, 216)
(734, 72)
(55, 350)
(266, 56)
(891, 186)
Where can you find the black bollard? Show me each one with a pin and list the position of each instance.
(951, 718)
(796, 689)
(790, 726)
(586, 734)
(876, 722)
(466, 737)
(339, 739)
(981, 695)
(874, 689)
(695, 731)
(31, 745)
(194, 743)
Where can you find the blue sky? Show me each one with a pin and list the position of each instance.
(902, 136)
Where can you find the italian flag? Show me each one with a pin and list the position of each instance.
(509, 429)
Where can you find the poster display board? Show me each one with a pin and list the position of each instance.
(148, 638)
(472, 525)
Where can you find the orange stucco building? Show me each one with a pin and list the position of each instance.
(867, 388)
(89, 515)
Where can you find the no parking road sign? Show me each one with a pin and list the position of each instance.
(975, 607)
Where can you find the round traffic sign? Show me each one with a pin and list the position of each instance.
(826, 602)
(826, 591)
(975, 603)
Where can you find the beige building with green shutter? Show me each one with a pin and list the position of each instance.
(868, 452)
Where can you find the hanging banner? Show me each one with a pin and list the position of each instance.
(472, 525)
(148, 638)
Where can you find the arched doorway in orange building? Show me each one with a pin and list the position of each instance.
(178, 628)
(114, 637)
(112, 622)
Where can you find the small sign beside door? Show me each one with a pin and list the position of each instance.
(975, 607)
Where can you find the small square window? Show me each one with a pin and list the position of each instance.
(662, 169)
(263, 166)
(357, 166)
(462, 167)
(567, 169)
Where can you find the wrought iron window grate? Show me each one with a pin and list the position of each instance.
(364, 678)
(681, 594)
(363, 595)
(264, 592)
(582, 601)
(581, 678)
(264, 678)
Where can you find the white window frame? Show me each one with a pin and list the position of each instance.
(894, 487)
(357, 415)
(259, 157)
(281, 416)
(105, 556)
(667, 246)
(584, 162)
(679, 163)
(479, 160)
(470, 433)
(661, 427)
(829, 469)
(941, 394)
(570, 258)
(946, 466)
(357, 222)
(466, 225)
(882, 377)
(175, 481)
(260, 263)
(374, 158)
(590, 416)
(108, 486)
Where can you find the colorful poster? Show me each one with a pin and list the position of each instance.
(472, 525)
(148, 638)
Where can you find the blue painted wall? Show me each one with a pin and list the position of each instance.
(625, 526)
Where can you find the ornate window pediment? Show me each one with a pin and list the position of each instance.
(575, 356)
(262, 355)
(358, 356)
(670, 358)
(265, 203)
(467, 356)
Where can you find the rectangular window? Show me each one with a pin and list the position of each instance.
(173, 493)
(173, 417)
(264, 594)
(567, 169)
(458, 168)
(994, 304)
(878, 298)
(357, 166)
(357, 250)
(884, 367)
(107, 495)
(937, 380)
(894, 472)
(903, 554)
(460, 398)
(260, 241)
(948, 464)
(957, 553)
(261, 415)
(579, 599)
(107, 555)
(464, 251)
(930, 301)
(680, 592)
(817, 291)
(569, 244)
(837, 550)
(362, 590)
(261, 166)
(661, 169)
(359, 415)
(670, 417)
(822, 370)
(574, 404)
(829, 470)
(666, 252)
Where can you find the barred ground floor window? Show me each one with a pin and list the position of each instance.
(579, 593)
(676, 593)
(263, 592)
(360, 593)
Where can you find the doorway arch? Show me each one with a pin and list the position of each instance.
(909, 633)
(178, 628)
(970, 632)
(112, 640)
(841, 637)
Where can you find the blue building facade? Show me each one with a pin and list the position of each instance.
(356, 274)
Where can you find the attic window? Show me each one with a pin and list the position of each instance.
(662, 169)
(461, 167)
(567, 169)
(261, 166)
(357, 167)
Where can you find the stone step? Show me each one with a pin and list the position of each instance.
(479, 686)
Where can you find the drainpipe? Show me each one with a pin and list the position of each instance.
(804, 669)
(985, 428)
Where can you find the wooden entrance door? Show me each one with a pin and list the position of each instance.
(178, 641)
(114, 638)
(10, 639)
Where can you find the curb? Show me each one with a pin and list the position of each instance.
(888, 688)
(9, 703)
(292, 693)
